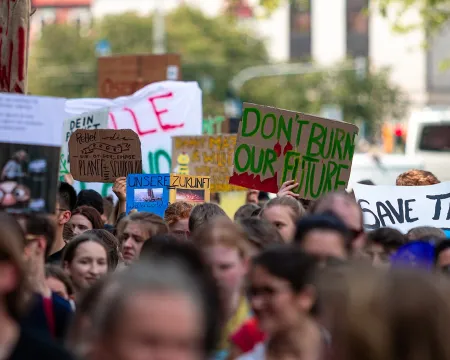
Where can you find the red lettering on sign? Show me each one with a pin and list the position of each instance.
(158, 112)
(136, 122)
(113, 120)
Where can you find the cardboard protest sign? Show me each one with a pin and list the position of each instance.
(89, 121)
(146, 192)
(125, 74)
(404, 207)
(30, 143)
(191, 189)
(103, 155)
(205, 156)
(276, 145)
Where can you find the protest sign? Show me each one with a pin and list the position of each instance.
(103, 155)
(205, 156)
(155, 113)
(274, 146)
(213, 125)
(125, 74)
(89, 121)
(404, 207)
(191, 189)
(30, 143)
(147, 192)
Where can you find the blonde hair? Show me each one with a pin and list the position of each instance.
(298, 211)
(152, 224)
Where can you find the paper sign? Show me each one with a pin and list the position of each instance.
(30, 143)
(125, 74)
(148, 193)
(191, 189)
(90, 121)
(276, 145)
(104, 155)
(404, 207)
(205, 156)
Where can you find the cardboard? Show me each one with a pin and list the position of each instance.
(103, 155)
(276, 145)
(154, 192)
(205, 156)
(125, 74)
(404, 207)
(89, 121)
(30, 143)
(148, 192)
(191, 189)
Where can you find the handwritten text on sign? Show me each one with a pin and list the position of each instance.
(104, 155)
(206, 155)
(277, 145)
(404, 207)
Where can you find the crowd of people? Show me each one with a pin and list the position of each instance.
(284, 279)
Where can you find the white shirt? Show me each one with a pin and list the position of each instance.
(258, 353)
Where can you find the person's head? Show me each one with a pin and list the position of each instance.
(260, 234)
(108, 207)
(90, 198)
(137, 228)
(425, 233)
(112, 243)
(177, 219)
(58, 281)
(14, 286)
(324, 236)
(39, 239)
(345, 207)
(416, 178)
(148, 311)
(252, 197)
(20, 156)
(224, 245)
(395, 314)
(382, 243)
(442, 256)
(65, 204)
(85, 260)
(203, 213)
(247, 211)
(282, 293)
(67, 233)
(85, 218)
(283, 212)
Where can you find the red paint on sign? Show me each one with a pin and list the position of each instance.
(252, 181)
(287, 148)
(159, 112)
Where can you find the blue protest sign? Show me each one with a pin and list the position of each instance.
(147, 192)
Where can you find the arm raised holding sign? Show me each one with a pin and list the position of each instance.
(120, 189)
(286, 189)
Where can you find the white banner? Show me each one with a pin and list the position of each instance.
(156, 113)
(404, 207)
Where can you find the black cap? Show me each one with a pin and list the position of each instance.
(90, 198)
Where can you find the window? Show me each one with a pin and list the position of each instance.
(357, 28)
(435, 137)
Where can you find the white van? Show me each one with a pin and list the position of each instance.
(428, 140)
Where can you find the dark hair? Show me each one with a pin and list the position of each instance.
(112, 243)
(203, 213)
(289, 263)
(156, 242)
(387, 237)
(91, 214)
(441, 247)
(366, 182)
(260, 233)
(41, 225)
(72, 246)
(90, 198)
(67, 196)
(246, 211)
(191, 258)
(56, 272)
(108, 206)
(325, 221)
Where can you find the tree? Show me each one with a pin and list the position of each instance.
(63, 62)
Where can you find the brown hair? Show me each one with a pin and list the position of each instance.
(177, 211)
(397, 314)
(67, 232)
(152, 223)
(12, 240)
(425, 233)
(221, 231)
(112, 243)
(204, 213)
(416, 177)
(57, 272)
(91, 214)
(298, 211)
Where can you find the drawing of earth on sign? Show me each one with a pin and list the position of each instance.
(103, 155)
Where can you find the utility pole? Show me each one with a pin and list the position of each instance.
(159, 28)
